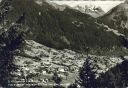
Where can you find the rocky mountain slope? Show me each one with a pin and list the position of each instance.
(117, 18)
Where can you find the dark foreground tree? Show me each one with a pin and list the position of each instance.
(9, 42)
(11, 39)
(74, 85)
(87, 75)
(116, 77)
(57, 79)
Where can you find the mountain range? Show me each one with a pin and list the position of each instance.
(37, 39)
(91, 10)
(69, 28)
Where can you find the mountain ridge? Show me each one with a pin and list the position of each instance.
(36, 41)
(116, 18)
(69, 29)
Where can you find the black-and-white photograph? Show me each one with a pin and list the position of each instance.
(63, 44)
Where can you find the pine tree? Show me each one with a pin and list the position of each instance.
(57, 80)
(10, 40)
(87, 75)
(115, 77)
(74, 85)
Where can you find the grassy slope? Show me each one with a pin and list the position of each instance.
(50, 59)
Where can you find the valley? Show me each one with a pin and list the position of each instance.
(46, 45)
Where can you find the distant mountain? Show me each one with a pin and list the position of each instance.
(91, 10)
(105, 5)
(94, 11)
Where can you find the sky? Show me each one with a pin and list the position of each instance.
(86, 0)
(105, 5)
